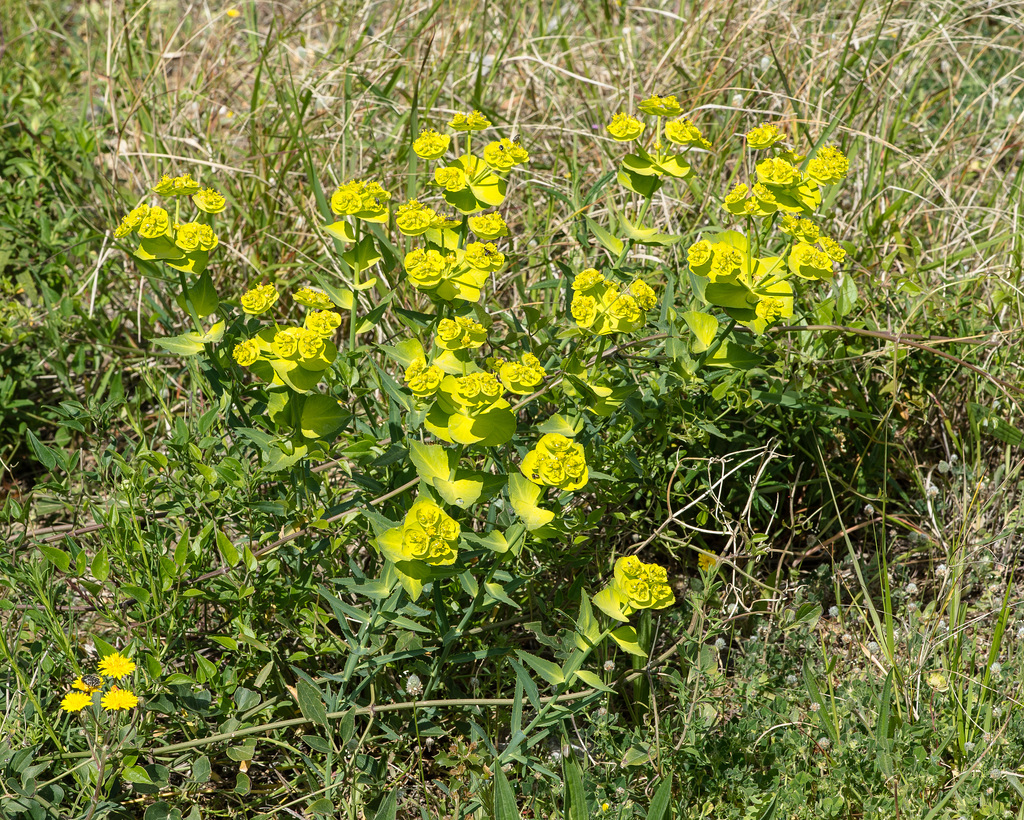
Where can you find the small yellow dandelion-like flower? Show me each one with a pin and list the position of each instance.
(87, 683)
(119, 699)
(233, 13)
(75, 701)
(116, 665)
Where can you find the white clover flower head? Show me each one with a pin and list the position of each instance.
(1020, 633)
(941, 570)
(869, 509)
(766, 63)
(911, 588)
(995, 774)
(791, 680)
(737, 100)
(969, 746)
(609, 666)
(815, 706)
(824, 742)
(846, 637)
(720, 644)
(912, 606)
(930, 489)
(833, 612)
(986, 737)
(995, 668)
(413, 685)
(943, 467)
(872, 647)
(941, 626)
(997, 711)
(730, 609)
(602, 712)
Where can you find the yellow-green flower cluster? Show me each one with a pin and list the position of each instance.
(459, 333)
(448, 276)
(474, 121)
(600, 308)
(365, 200)
(641, 586)
(556, 461)
(414, 218)
(209, 201)
(470, 395)
(114, 666)
(429, 534)
(828, 166)
(764, 136)
(661, 106)
(522, 377)
(259, 299)
(504, 155)
(488, 226)
(684, 132)
(430, 144)
(182, 185)
(625, 128)
(310, 298)
(423, 379)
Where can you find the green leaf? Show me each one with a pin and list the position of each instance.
(42, 452)
(322, 417)
(341, 230)
(575, 807)
(160, 247)
(529, 686)
(593, 680)
(136, 774)
(523, 495)
(389, 808)
(612, 243)
(101, 565)
(504, 800)
(561, 425)
(587, 629)
(638, 755)
(57, 557)
(626, 638)
(551, 672)
(311, 702)
(431, 462)
(494, 540)
(703, 326)
(659, 809)
(363, 256)
(187, 344)
(227, 550)
(768, 813)
(203, 296)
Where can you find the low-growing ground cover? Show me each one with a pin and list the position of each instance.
(408, 412)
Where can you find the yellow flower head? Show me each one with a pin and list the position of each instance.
(587, 279)
(414, 218)
(460, 333)
(802, 229)
(684, 132)
(119, 699)
(484, 256)
(706, 562)
(233, 12)
(75, 701)
(642, 586)
(698, 255)
(116, 665)
(523, 377)
(430, 144)
(423, 379)
(176, 186)
(736, 199)
(87, 683)
(661, 106)
(429, 534)
(556, 461)
(451, 178)
(363, 200)
(625, 128)
(286, 342)
(808, 262)
(836, 251)
(156, 223)
(310, 343)
(246, 352)
(425, 268)
(131, 220)
(313, 299)
(469, 122)
(209, 201)
(764, 136)
(770, 310)
(488, 226)
(776, 171)
(323, 322)
(193, 236)
(643, 294)
(259, 299)
(828, 166)
(503, 155)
